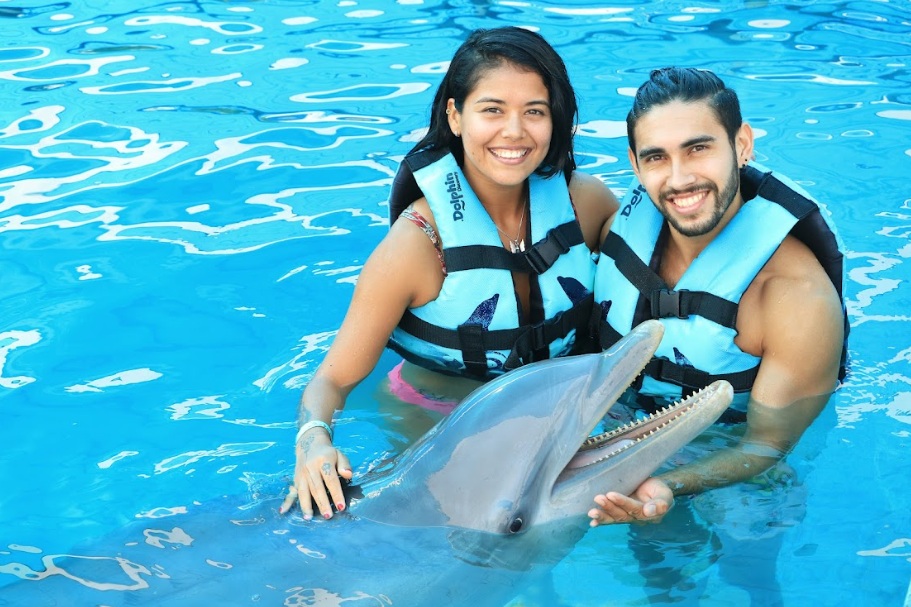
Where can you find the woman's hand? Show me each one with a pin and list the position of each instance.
(317, 472)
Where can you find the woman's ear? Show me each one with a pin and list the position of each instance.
(455, 119)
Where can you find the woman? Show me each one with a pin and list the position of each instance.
(488, 263)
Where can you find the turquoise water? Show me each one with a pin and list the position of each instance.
(189, 189)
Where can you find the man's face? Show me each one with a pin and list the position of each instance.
(688, 166)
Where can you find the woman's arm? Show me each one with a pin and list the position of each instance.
(402, 272)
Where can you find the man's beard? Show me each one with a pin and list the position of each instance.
(723, 201)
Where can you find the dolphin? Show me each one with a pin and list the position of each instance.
(485, 503)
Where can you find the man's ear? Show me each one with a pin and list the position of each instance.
(633, 161)
(743, 142)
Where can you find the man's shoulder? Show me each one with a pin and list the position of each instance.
(793, 266)
(792, 285)
(793, 259)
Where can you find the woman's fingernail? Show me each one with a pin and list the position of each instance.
(340, 507)
(327, 516)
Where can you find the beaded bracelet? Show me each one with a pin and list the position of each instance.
(311, 425)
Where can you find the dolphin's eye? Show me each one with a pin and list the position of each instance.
(515, 525)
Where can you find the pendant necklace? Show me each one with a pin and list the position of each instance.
(517, 244)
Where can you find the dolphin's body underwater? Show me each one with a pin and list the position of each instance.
(492, 496)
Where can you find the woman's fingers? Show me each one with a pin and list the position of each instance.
(315, 481)
(289, 500)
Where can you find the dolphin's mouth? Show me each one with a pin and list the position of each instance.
(610, 444)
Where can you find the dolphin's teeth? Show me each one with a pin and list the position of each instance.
(637, 429)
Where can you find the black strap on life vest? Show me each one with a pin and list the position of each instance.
(689, 378)
(811, 229)
(474, 341)
(537, 259)
(405, 188)
(692, 379)
(664, 301)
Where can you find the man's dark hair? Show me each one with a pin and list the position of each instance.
(688, 85)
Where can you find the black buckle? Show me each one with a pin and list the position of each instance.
(666, 303)
(538, 337)
(536, 261)
(560, 240)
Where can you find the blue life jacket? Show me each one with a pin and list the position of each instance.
(473, 327)
(700, 312)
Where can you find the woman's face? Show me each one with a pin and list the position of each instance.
(505, 125)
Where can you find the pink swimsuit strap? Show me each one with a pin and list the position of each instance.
(409, 394)
(420, 221)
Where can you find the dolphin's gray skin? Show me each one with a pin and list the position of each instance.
(492, 496)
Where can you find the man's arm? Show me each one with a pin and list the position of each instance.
(801, 342)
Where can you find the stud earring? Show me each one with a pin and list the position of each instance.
(448, 111)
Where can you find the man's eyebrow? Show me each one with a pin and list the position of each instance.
(697, 140)
(644, 152)
(649, 151)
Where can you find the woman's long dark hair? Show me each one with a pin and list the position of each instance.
(490, 48)
(486, 49)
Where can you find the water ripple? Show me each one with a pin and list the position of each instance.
(371, 92)
(117, 567)
(227, 28)
(123, 378)
(63, 68)
(9, 341)
(226, 450)
(170, 85)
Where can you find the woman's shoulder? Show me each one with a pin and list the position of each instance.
(588, 189)
(594, 203)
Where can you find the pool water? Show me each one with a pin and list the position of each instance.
(188, 191)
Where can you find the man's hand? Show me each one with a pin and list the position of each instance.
(648, 504)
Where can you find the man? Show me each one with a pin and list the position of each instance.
(742, 268)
